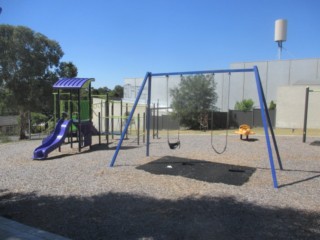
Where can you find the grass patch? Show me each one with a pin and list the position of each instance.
(258, 131)
(5, 139)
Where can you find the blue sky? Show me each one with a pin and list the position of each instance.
(110, 40)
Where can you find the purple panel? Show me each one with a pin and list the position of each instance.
(71, 83)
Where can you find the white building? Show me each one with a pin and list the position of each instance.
(283, 81)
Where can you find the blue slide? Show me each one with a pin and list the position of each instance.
(54, 140)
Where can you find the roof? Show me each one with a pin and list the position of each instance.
(72, 83)
(8, 120)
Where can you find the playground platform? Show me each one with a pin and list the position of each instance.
(13, 230)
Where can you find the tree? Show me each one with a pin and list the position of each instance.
(100, 91)
(117, 92)
(6, 108)
(28, 62)
(272, 105)
(193, 98)
(244, 105)
(67, 70)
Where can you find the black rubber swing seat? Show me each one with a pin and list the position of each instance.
(174, 145)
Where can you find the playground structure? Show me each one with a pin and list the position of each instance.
(72, 106)
(263, 109)
(110, 116)
(79, 114)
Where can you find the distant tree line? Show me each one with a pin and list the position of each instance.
(30, 63)
(117, 92)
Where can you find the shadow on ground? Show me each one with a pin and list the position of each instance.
(125, 216)
(200, 170)
(250, 139)
(315, 143)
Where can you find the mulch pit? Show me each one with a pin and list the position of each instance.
(200, 170)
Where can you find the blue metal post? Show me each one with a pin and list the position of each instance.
(265, 126)
(148, 116)
(148, 75)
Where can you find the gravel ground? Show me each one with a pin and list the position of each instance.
(79, 196)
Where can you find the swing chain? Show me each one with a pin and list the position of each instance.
(227, 122)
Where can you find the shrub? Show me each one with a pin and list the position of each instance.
(244, 105)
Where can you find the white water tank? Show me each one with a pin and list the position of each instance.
(280, 32)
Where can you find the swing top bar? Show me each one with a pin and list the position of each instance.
(202, 72)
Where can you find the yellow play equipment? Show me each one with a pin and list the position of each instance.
(244, 129)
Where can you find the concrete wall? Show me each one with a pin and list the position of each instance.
(160, 90)
(274, 76)
(291, 105)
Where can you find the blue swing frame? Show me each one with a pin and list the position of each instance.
(263, 109)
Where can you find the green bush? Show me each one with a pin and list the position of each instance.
(272, 105)
(4, 138)
(40, 122)
(244, 105)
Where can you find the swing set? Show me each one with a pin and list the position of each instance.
(177, 144)
(263, 109)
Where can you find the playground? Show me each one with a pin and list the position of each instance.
(183, 185)
(171, 194)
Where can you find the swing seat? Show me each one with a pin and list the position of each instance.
(174, 145)
(244, 129)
